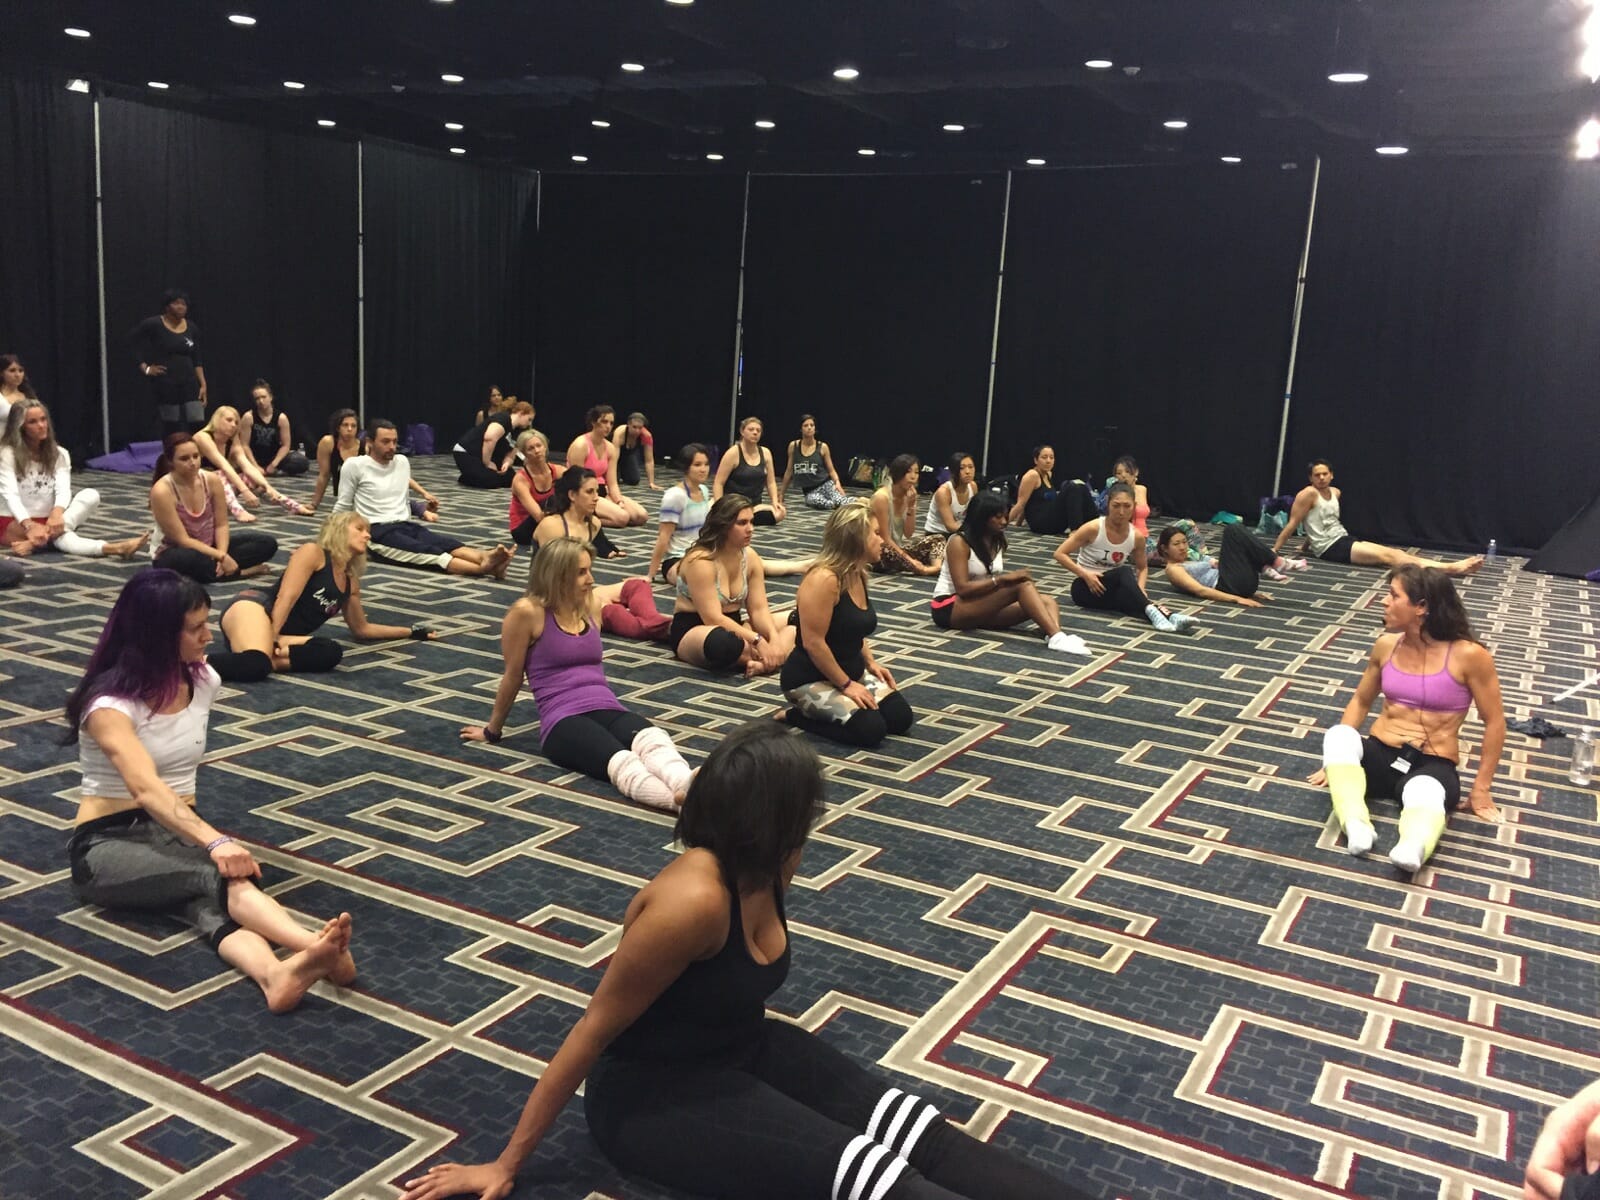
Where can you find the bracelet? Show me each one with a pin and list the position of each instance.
(492, 736)
(215, 842)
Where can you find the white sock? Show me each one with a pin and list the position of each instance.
(633, 779)
(662, 759)
(1159, 619)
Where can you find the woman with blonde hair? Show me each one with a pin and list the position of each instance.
(276, 629)
(533, 485)
(552, 635)
(37, 507)
(837, 688)
(222, 450)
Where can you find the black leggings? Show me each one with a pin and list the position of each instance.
(865, 727)
(785, 1120)
(1123, 593)
(1240, 560)
(587, 741)
(247, 547)
(475, 475)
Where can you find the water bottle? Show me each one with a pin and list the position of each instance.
(300, 448)
(1582, 769)
(1494, 550)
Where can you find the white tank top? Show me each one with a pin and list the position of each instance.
(932, 524)
(1103, 555)
(975, 570)
(1323, 527)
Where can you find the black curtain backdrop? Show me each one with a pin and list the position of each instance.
(48, 316)
(1147, 312)
(869, 302)
(1450, 348)
(450, 254)
(638, 283)
(259, 227)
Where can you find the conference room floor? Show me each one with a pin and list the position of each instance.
(1088, 906)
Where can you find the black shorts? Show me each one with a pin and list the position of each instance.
(1339, 552)
(667, 563)
(683, 622)
(941, 609)
(1383, 781)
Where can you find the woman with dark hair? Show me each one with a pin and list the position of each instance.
(223, 448)
(720, 579)
(533, 485)
(37, 507)
(484, 455)
(276, 630)
(690, 1084)
(14, 386)
(683, 513)
(552, 635)
(264, 440)
(837, 688)
(975, 591)
(1107, 556)
(139, 717)
(595, 451)
(1430, 670)
(1044, 507)
(573, 512)
(166, 347)
(894, 515)
(1233, 577)
(344, 440)
(192, 533)
(1126, 470)
(746, 470)
(811, 465)
(636, 452)
(497, 403)
(948, 507)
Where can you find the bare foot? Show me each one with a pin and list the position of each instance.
(499, 559)
(678, 797)
(22, 549)
(258, 569)
(243, 517)
(1467, 566)
(343, 972)
(286, 985)
(128, 547)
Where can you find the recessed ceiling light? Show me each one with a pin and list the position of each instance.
(458, 149)
(713, 157)
(158, 85)
(681, 3)
(454, 126)
(452, 78)
(74, 31)
(241, 19)
(632, 68)
(866, 152)
(1393, 151)
(1348, 77)
(765, 124)
(1098, 64)
(78, 85)
(1232, 158)
(1588, 140)
(580, 158)
(600, 124)
(1174, 124)
(953, 128)
(294, 85)
(846, 73)
(325, 123)
(1036, 162)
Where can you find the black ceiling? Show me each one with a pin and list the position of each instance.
(1448, 77)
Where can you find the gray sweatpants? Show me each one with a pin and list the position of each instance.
(129, 860)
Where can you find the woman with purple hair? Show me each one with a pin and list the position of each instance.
(139, 717)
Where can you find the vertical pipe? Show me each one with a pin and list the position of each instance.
(994, 342)
(738, 321)
(538, 222)
(361, 282)
(1294, 334)
(100, 260)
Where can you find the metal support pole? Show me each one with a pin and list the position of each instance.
(1294, 335)
(994, 342)
(100, 262)
(361, 283)
(738, 322)
(538, 221)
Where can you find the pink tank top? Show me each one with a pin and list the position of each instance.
(1439, 692)
(201, 526)
(596, 460)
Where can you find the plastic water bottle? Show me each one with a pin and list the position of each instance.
(1582, 759)
(1494, 550)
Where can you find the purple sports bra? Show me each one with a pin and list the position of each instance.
(1439, 692)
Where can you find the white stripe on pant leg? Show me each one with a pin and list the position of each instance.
(881, 1108)
(408, 558)
(876, 1157)
(857, 1145)
(929, 1115)
(896, 1166)
(903, 1111)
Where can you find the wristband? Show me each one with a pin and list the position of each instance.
(421, 632)
(224, 840)
(492, 736)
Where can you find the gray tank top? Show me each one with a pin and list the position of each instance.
(1323, 527)
(809, 471)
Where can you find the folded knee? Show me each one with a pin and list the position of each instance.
(865, 727)
(318, 654)
(243, 666)
(722, 649)
(1422, 793)
(1341, 745)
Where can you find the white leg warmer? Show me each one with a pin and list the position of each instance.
(655, 749)
(80, 510)
(1341, 744)
(633, 779)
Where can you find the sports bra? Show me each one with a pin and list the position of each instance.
(744, 581)
(597, 461)
(1440, 692)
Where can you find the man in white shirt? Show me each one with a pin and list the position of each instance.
(377, 486)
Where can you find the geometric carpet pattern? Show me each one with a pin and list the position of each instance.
(1088, 907)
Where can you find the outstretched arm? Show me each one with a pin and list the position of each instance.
(1303, 501)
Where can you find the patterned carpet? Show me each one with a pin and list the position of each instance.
(1087, 906)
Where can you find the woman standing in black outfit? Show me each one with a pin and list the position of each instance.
(690, 1084)
(167, 350)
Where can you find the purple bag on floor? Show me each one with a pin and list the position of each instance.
(420, 438)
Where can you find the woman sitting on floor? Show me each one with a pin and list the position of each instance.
(1126, 470)
(223, 452)
(636, 452)
(192, 533)
(1044, 507)
(37, 507)
(746, 470)
(1107, 556)
(573, 512)
(975, 591)
(811, 466)
(1430, 670)
(552, 635)
(276, 630)
(719, 580)
(948, 507)
(1233, 577)
(683, 513)
(264, 437)
(838, 689)
(894, 515)
(595, 451)
(139, 717)
(533, 485)
(691, 1085)
(484, 455)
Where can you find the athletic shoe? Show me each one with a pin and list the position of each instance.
(1068, 643)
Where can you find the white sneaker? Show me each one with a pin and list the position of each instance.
(1068, 643)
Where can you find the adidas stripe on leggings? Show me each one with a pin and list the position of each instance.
(791, 1118)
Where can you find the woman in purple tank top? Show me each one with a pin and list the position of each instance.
(552, 635)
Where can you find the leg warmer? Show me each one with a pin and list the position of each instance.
(1347, 786)
(633, 779)
(1422, 822)
(661, 758)
(245, 666)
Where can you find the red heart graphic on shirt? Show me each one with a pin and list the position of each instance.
(1116, 556)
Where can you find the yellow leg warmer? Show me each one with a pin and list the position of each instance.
(1347, 787)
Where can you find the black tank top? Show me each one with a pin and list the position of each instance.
(336, 461)
(715, 1007)
(472, 440)
(848, 627)
(319, 600)
(749, 481)
(264, 437)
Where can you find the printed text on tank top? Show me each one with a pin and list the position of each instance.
(1106, 553)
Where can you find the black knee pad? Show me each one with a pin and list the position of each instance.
(764, 516)
(722, 649)
(246, 666)
(319, 654)
(864, 728)
(896, 713)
